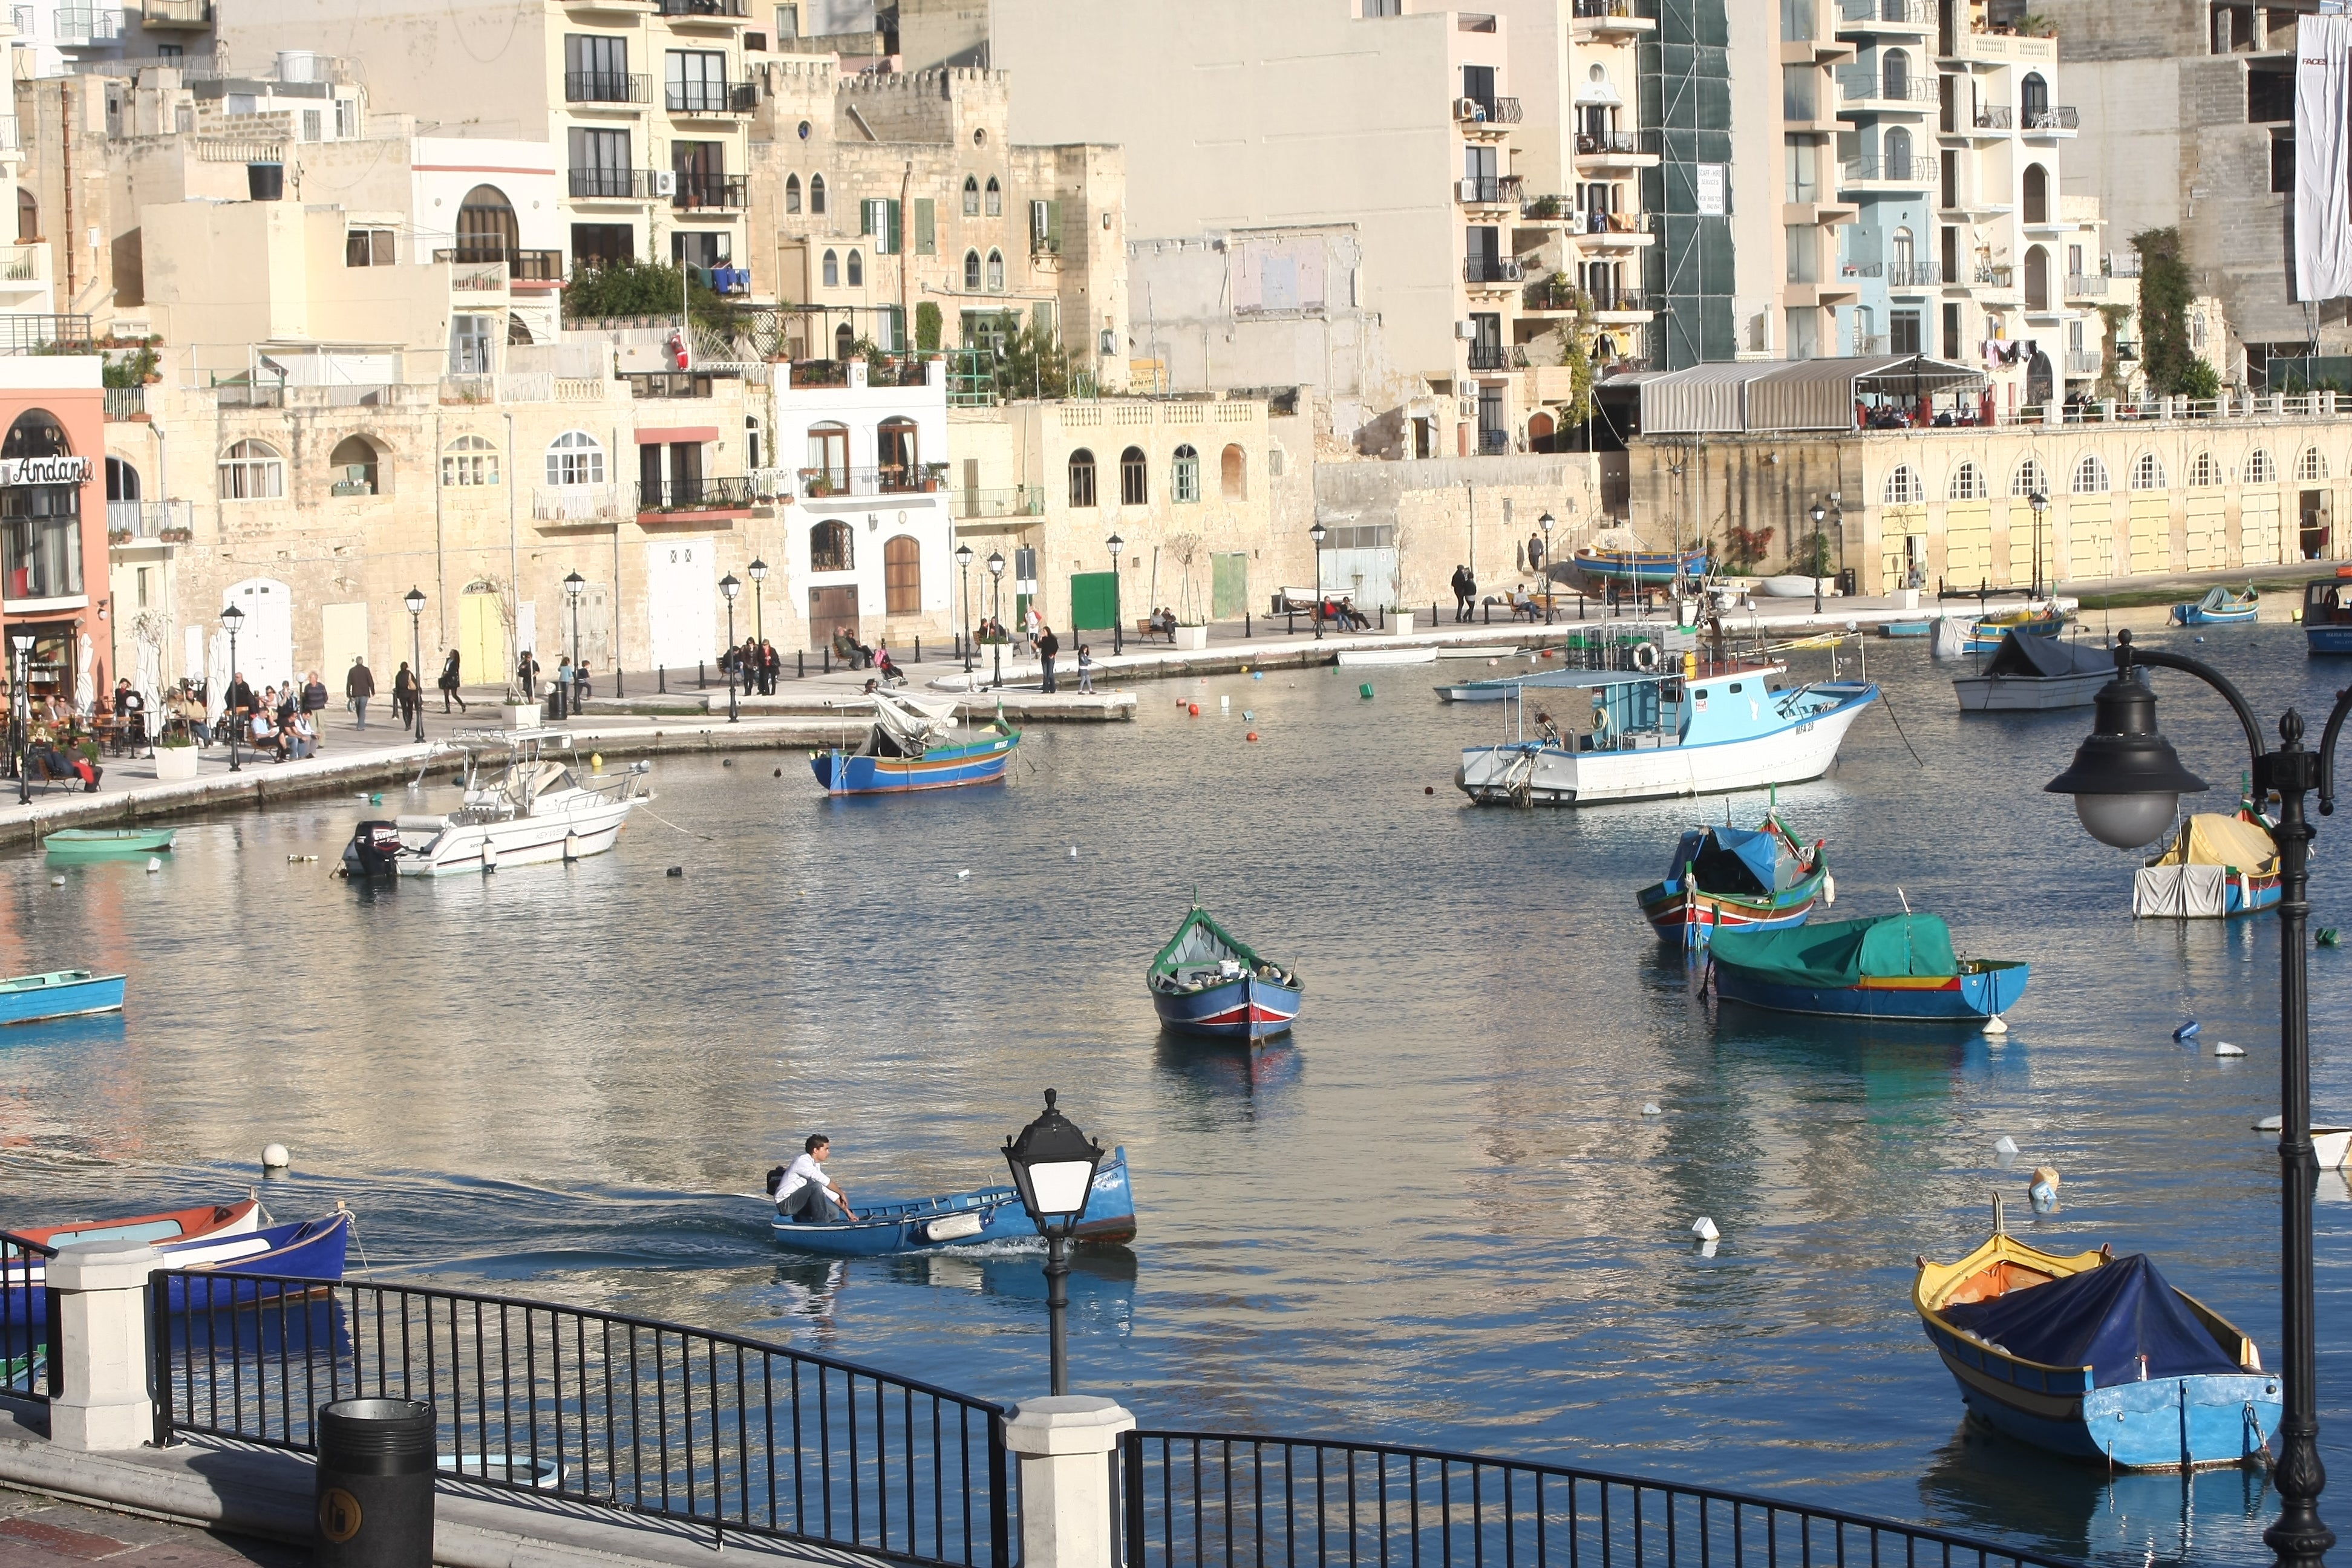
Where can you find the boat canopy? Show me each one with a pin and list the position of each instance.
(2106, 1319)
(1201, 943)
(1736, 860)
(915, 724)
(2032, 653)
(1844, 952)
(2210, 838)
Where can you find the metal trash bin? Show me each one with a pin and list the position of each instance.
(555, 702)
(374, 1491)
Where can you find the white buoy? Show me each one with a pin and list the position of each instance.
(1829, 890)
(2224, 1049)
(1704, 1228)
(1225, 703)
(489, 857)
(570, 848)
(155, 864)
(1650, 1107)
(56, 881)
(274, 1157)
(961, 875)
(2006, 1145)
(1074, 851)
(2269, 1124)
(1994, 1025)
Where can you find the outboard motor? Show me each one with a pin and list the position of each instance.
(373, 848)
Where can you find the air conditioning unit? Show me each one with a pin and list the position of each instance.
(1468, 189)
(1466, 331)
(1469, 109)
(665, 182)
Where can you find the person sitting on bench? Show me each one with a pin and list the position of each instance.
(1164, 623)
(804, 1194)
(850, 651)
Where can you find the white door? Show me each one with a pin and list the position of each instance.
(343, 636)
(681, 602)
(265, 639)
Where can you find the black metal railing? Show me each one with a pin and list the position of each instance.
(711, 494)
(1486, 188)
(702, 7)
(712, 191)
(28, 1321)
(1489, 356)
(1492, 269)
(606, 87)
(1488, 111)
(609, 184)
(1591, 10)
(712, 98)
(1198, 1499)
(892, 480)
(1996, 117)
(670, 383)
(2064, 116)
(630, 1413)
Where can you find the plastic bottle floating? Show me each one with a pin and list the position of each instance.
(1704, 1228)
(2006, 1145)
(2186, 1032)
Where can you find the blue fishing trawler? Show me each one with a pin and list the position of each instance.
(910, 747)
(961, 1220)
(1897, 967)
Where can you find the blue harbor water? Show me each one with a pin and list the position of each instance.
(1434, 1215)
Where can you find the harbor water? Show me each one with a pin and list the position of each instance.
(1434, 1214)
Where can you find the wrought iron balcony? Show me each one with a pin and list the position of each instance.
(1900, 170)
(523, 265)
(1486, 110)
(705, 191)
(1490, 356)
(713, 10)
(712, 98)
(1861, 84)
(825, 484)
(1917, 275)
(1492, 269)
(606, 87)
(696, 495)
(610, 184)
(1474, 190)
(2045, 122)
(1996, 117)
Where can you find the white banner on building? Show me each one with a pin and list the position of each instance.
(2323, 161)
(1713, 183)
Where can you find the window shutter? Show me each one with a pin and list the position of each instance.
(894, 241)
(927, 241)
(1053, 226)
(866, 215)
(897, 329)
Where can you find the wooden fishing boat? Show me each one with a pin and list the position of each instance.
(1731, 878)
(98, 843)
(2216, 867)
(2030, 674)
(2327, 613)
(2096, 1356)
(155, 1229)
(307, 1250)
(1605, 567)
(910, 747)
(2044, 620)
(1895, 967)
(1206, 982)
(962, 1219)
(59, 993)
(2218, 607)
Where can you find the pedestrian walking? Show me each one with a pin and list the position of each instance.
(1086, 667)
(527, 675)
(449, 684)
(580, 690)
(314, 705)
(359, 685)
(564, 686)
(1048, 645)
(405, 697)
(1465, 590)
(772, 664)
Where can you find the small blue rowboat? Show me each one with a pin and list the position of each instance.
(2096, 1356)
(963, 1219)
(2218, 607)
(1206, 982)
(907, 749)
(1638, 568)
(1897, 967)
(60, 993)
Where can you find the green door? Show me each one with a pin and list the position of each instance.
(1094, 601)
(1229, 590)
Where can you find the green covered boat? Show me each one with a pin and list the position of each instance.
(1885, 966)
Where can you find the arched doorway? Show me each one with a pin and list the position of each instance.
(2037, 279)
(2032, 101)
(1539, 432)
(2037, 193)
(486, 230)
(1904, 254)
(1898, 153)
(1894, 72)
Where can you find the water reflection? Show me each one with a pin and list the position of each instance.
(1216, 1072)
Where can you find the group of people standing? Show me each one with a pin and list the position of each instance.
(756, 664)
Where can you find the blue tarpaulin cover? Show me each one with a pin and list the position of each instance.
(2104, 1319)
(1736, 860)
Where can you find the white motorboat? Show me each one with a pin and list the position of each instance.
(1660, 734)
(526, 800)
(1350, 657)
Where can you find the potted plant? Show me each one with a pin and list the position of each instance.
(175, 757)
(1193, 636)
(518, 714)
(176, 535)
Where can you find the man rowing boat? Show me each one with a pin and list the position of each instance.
(803, 1193)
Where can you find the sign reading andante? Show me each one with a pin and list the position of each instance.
(43, 471)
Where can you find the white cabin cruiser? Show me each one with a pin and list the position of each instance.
(526, 800)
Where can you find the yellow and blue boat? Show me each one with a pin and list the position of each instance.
(1895, 967)
(910, 747)
(2218, 607)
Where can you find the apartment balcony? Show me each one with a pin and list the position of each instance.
(9, 145)
(1493, 442)
(1487, 191)
(1620, 307)
(712, 98)
(1486, 119)
(517, 266)
(853, 484)
(147, 523)
(2088, 286)
(2053, 123)
(1864, 90)
(24, 269)
(2084, 362)
(1918, 278)
(126, 402)
(1885, 18)
(1607, 22)
(620, 90)
(1553, 296)
(711, 193)
(1493, 271)
(1626, 150)
(80, 27)
(558, 505)
(1896, 175)
(1987, 52)
(610, 184)
(1990, 121)
(176, 16)
(1549, 212)
(23, 332)
(701, 496)
(1021, 501)
(1613, 231)
(713, 13)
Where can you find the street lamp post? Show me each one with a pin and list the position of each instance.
(1820, 515)
(416, 602)
(573, 586)
(996, 609)
(2040, 503)
(758, 573)
(1317, 533)
(1053, 1168)
(1545, 522)
(2126, 781)
(731, 585)
(1117, 642)
(232, 617)
(20, 711)
(963, 565)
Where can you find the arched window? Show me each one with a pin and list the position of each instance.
(2147, 472)
(832, 546)
(791, 193)
(2030, 481)
(2037, 279)
(486, 226)
(2032, 101)
(1967, 484)
(828, 458)
(817, 193)
(996, 273)
(122, 480)
(857, 270)
(469, 460)
(2311, 464)
(750, 440)
(250, 470)
(2258, 471)
(2037, 193)
(29, 216)
(902, 575)
(1903, 487)
(970, 196)
(1902, 255)
(1184, 475)
(832, 269)
(897, 452)
(844, 343)
(2090, 476)
(517, 330)
(995, 198)
(40, 525)
(971, 271)
(36, 433)
(575, 457)
(1895, 71)
(1898, 153)
(2204, 472)
(1134, 477)
(354, 462)
(1082, 478)
(1232, 466)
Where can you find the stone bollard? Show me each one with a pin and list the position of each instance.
(1068, 1520)
(101, 1303)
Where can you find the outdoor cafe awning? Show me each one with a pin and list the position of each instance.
(1783, 394)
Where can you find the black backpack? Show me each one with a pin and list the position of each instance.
(775, 1179)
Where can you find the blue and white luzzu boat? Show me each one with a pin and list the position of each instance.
(962, 1219)
(1658, 733)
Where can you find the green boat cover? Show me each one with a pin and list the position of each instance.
(1841, 952)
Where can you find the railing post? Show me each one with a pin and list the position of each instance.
(159, 1346)
(99, 1294)
(1131, 1457)
(1068, 1516)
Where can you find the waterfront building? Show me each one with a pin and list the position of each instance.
(53, 573)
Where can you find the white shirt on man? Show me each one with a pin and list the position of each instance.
(804, 1171)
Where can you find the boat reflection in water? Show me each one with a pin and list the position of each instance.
(1213, 1069)
(1101, 1283)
